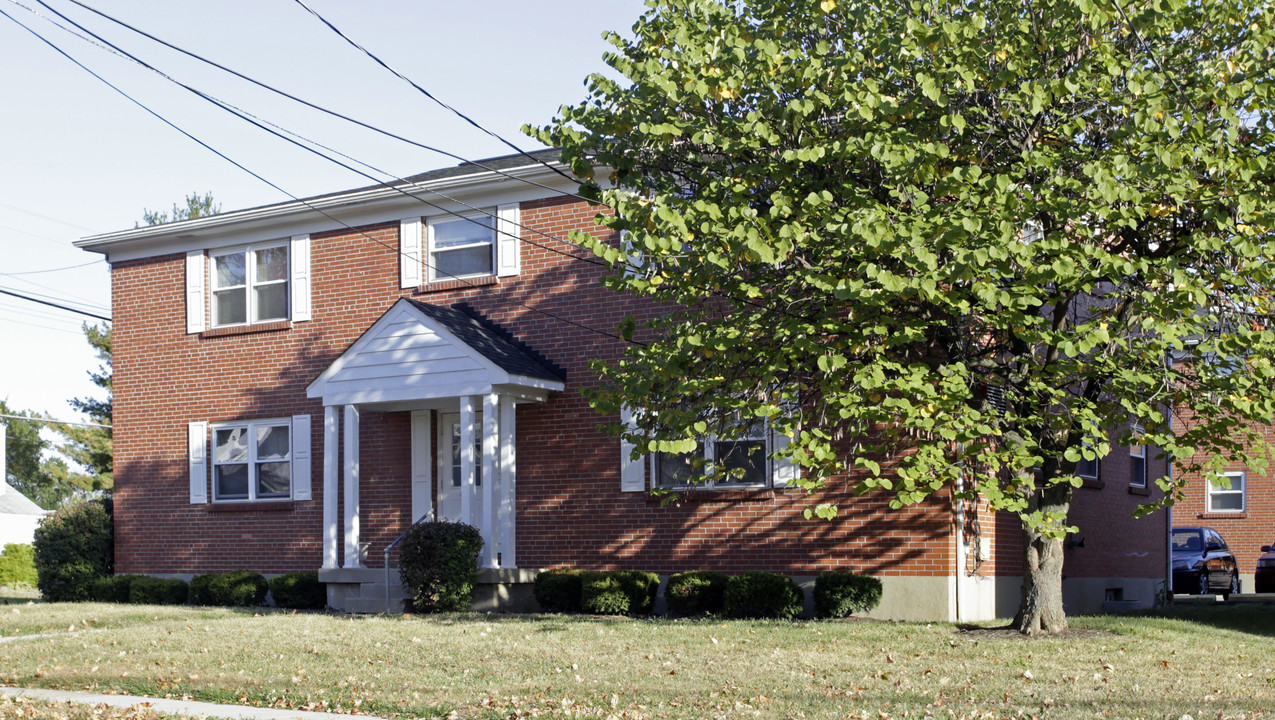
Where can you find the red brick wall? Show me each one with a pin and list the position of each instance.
(1245, 532)
(570, 509)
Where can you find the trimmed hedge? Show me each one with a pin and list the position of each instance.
(619, 592)
(697, 592)
(559, 590)
(74, 547)
(301, 590)
(763, 595)
(113, 588)
(146, 590)
(439, 565)
(236, 588)
(17, 565)
(841, 594)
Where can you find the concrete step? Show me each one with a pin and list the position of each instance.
(372, 605)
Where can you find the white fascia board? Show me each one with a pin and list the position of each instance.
(407, 396)
(363, 207)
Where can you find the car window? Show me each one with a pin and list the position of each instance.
(1187, 541)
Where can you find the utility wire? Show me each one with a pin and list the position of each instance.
(258, 122)
(46, 302)
(51, 421)
(327, 111)
(427, 93)
(161, 118)
(59, 269)
(85, 304)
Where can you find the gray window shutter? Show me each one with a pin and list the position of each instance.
(197, 458)
(409, 252)
(632, 471)
(302, 443)
(300, 257)
(508, 240)
(196, 279)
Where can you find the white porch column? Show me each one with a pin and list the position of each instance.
(351, 487)
(467, 459)
(331, 471)
(505, 515)
(491, 477)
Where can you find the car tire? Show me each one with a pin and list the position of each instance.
(1204, 582)
(1234, 589)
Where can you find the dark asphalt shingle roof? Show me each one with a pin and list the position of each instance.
(491, 340)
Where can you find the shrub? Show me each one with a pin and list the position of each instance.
(112, 588)
(73, 548)
(237, 588)
(618, 592)
(763, 595)
(17, 565)
(300, 589)
(145, 590)
(841, 594)
(439, 565)
(697, 592)
(559, 590)
(199, 593)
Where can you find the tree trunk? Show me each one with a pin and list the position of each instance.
(1041, 611)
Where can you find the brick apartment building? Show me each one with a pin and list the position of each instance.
(295, 384)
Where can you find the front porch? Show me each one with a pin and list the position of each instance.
(460, 378)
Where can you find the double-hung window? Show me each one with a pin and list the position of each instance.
(1137, 459)
(461, 247)
(252, 460)
(250, 285)
(1230, 499)
(738, 462)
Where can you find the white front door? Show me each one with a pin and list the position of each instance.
(449, 482)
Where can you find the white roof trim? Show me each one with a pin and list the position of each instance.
(495, 378)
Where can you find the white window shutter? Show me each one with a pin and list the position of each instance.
(300, 257)
(301, 462)
(197, 458)
(409, 252)
(196, 278)
(508, 240)
(632, 472)
(784, 469)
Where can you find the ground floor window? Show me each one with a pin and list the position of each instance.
(252, 460)
(741, 461)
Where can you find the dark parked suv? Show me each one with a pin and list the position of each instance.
(1264, 578)
(1202, 563)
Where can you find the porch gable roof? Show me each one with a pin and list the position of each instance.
(420, 352)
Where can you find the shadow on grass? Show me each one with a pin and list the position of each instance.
(1253, 619)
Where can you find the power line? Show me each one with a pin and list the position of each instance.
(46, 302)
(59, 269)
(51, 421)
(258, 122)
(46, 217)
(82, 300)
(88, 304)
(63, 53)
(314, 106)
(427, 93)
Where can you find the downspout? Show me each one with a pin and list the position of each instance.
(957, 506)
(1168, 536)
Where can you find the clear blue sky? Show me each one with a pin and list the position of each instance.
(76, 158)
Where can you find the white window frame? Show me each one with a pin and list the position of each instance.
(1097, 469)
(1214, 491)
(250, 266)
(1138, 450)
(250, 429)
(493, 242)
(708, 447)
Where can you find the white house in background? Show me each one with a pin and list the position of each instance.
(18, 516)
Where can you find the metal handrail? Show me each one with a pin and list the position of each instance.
(429, 516)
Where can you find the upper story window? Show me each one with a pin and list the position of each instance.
(250, 285)
(252, 460)
(1221, 499)
(1137, 459)
(461, 247)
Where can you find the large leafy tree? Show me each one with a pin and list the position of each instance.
(948, 246)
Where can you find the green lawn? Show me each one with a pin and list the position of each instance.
(1204, 661)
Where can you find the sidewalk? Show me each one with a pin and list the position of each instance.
(177, 707)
